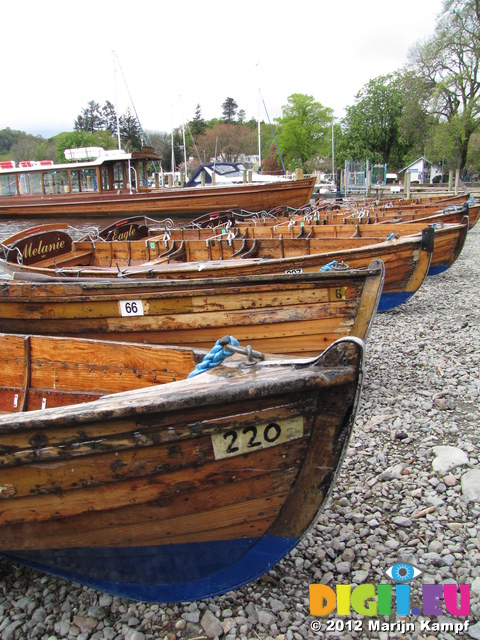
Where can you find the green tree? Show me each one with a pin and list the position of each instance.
(415, 125)
(109, 118)
(76, 139)
(448, 64)
(130, 132)
(197, 126)
(90, 119)
(229, 110)
(303, 131)
(371, 126)
(9, 137)
(25, 148)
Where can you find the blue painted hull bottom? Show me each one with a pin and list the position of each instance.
(434, 271)
(391, 300)
(166, 573)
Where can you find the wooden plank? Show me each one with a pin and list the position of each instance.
(145, 488)
(116, 527)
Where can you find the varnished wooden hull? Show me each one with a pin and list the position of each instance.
(449, 214)
(290, 314)
(407, 260)
(179, 202)
(449, 239)
(183, 491)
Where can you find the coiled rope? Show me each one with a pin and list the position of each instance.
(216, 356)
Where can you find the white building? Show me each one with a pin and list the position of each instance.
(421, 171)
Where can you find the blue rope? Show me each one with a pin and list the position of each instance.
(330, 266)
(216, 356)
(392, 235)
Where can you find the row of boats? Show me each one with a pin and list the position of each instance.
(177, 399)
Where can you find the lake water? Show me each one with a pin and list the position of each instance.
(77, 228)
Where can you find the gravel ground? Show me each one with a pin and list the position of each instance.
(409, 491)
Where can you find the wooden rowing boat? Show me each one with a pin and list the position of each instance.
(333, 213)
(449, 239)
(374, 215)
(279, 313)
(167, 492)
(407, 259)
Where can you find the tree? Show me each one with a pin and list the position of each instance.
(227, 142)
(162, 144)
(448, 63)
(77, 139)
(109, 117)
(229, 110)
(91, 118)
(271, 164)
(415, 125)
(197, 126)
(9, 137)
(371, 126)
(130, 132)
(25, 148)
(303, 130)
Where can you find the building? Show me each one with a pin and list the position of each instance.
(421, 171)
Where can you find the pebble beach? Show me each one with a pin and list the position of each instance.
(408, 492)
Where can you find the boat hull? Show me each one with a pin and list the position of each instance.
(182, 491)
(167, 573)
(179, 202)
(274, 313)
(406, 260)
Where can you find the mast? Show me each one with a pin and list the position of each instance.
(184, 145)
(258, 121)
(259, 137)
(116, 99)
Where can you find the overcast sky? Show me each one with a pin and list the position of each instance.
(171, 56)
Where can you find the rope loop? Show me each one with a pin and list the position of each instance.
(329, 266)
(216, 356)
(335, 265)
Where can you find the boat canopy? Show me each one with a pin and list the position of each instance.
(100, 170)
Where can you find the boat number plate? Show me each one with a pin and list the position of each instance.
(338, 293)
(290, 272)
(131, 307)
(235, 442)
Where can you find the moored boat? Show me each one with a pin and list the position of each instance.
(449, 238)
(115, 184)
(167, 492)
(278, 313)
(407, 259)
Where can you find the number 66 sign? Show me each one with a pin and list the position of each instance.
(131, 308)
